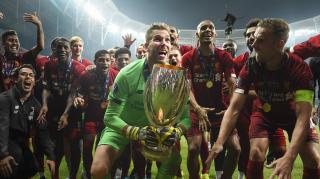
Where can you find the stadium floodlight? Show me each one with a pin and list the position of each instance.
(113, 28)
(304, 32)
(93, 12)
(141, 35)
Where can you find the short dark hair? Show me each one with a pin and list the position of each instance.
(17, 70)
(54, 42)
(100, 53)
(8, 33)
(279, 27)
(156, 26)
(62, 39)
(252, 23)
(207, 20)
(122, 50)
(228, 41)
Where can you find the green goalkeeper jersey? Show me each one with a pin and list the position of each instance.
(126, 105)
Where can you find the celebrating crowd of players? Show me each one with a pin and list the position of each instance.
(72, 107)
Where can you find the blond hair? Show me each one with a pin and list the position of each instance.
(75, 39)
(156, 26)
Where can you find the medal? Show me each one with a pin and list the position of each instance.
(266, 107)
(209, 84)
(104, 104)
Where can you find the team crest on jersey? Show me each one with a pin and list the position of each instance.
(16, 109)
(31, 114)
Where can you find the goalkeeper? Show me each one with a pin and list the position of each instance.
(125, 117)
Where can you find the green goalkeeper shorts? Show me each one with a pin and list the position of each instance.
(113, 138)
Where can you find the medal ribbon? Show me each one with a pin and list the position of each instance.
(207, 68)
(63, 83)
(146, 71)
(105, 88)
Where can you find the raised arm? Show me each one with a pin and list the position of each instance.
(34, 19)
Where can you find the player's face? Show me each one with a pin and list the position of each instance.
(175, 57)
(123, 60)
(230, 47)
(250, 37)
(112, 58)
(26, 80)
(77, 48)
(62, 51)
(159, 46)
(102, 63)
(174, 36)
(206, 32)
(12, 44)
(265, 44)
(141, 52)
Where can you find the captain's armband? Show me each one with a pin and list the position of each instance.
(304, 96)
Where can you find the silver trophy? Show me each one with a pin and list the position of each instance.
(165, 96)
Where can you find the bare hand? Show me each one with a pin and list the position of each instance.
(33, 18)
(42, 114)
(283, 167)
(63, 122)
(78, 102)
(203, 117)
(215, 150)
(127, 39)
(221, 112)
(52, 167)
(5, 166)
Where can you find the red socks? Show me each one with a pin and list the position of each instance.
(309, 173)
(254, 170)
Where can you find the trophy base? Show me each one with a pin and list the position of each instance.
(155, 155)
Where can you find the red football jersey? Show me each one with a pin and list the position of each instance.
(85, 62)
(277, 88)
(61, 79)
(239, 62)
(95, 91)
(7, 68)
(221, 66)
(309, 48)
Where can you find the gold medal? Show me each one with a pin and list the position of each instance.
(266, 107)
(209, 84)
(104, 104)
